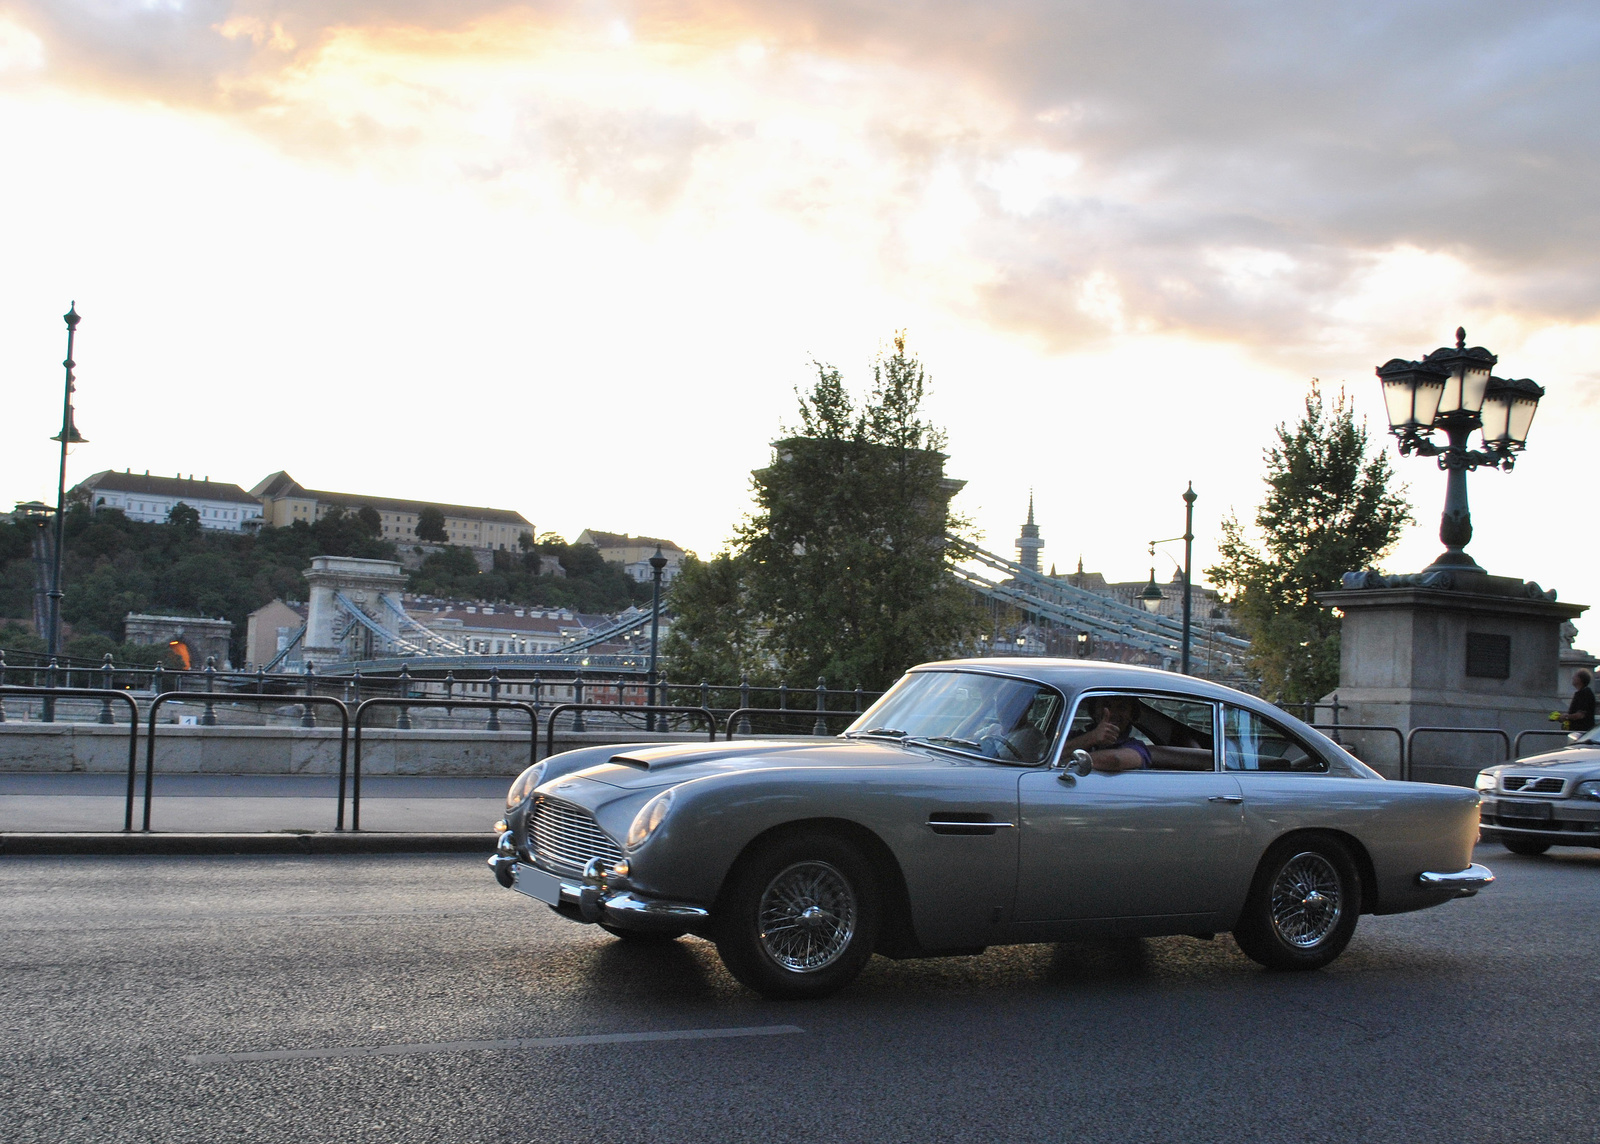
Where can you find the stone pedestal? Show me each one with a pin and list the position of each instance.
(1449, 650)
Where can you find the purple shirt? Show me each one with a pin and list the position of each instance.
(1144, 752)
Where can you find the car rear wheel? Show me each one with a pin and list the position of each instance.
(799, 918)
(1528, 846)
(1303, 905)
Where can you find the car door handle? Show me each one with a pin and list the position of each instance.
(1226, 798)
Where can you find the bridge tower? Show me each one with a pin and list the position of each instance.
(365, 583)
(1028, 544)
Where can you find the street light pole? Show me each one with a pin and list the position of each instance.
(69, 436)
(1151, 597)
(657, 563)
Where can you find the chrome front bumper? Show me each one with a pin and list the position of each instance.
(597, 898)
(1465, 883)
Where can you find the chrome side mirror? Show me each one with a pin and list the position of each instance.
(1079, 764)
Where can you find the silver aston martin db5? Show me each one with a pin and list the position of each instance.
(987, 802)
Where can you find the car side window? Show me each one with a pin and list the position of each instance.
(1168, 733)
(1254, 743)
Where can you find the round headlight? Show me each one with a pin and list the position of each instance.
(524, 785)
(650, 816)
(1485, 781)
(1590, 789)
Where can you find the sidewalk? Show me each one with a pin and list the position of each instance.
(250, 804)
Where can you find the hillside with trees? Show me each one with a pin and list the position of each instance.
(112, 566)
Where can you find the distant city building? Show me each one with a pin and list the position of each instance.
(284, 500)
(269, 630)
(634, 553)
(142, 497)
(1205, 604)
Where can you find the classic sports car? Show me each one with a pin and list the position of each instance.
(985, 802)
(1545, 800)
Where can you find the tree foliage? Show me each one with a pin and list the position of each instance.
(430, 525)
(1329, 509)
(840, 570)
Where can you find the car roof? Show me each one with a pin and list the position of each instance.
(1079, 674)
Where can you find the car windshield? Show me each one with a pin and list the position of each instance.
(1010, 720)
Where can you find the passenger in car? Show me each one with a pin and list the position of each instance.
(1112, 746)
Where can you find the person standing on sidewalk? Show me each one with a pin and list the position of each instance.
(1580, 712)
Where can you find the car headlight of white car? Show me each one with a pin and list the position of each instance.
(1590, 789)
(1485, 781)
(651, 815)
(524, 785)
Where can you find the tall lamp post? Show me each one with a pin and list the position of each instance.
(1151, 597)
(68, 436)
(658, 562)
(1453, 391)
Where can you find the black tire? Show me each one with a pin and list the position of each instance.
(643, 937)
(1303, 905)
(1529, 846)
(799, 917)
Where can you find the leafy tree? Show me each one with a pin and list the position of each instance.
(843, 560)
(185, 518)
(1329, 509)
(430, 525)
(370, 518)
(716, 635)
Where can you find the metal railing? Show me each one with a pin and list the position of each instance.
(495, 705)
(739, 720)
(622, 709)
(1411, 738)
(326, 700)
(1516, 744)
(105, 698)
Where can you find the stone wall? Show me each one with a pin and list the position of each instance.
(59, 747)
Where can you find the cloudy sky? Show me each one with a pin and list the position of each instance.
(573, 258)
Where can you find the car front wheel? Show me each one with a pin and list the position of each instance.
(799, 918)
(1303, 905)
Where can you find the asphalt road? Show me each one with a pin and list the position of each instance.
(134, 991)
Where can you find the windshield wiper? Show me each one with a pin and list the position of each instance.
(949, 740)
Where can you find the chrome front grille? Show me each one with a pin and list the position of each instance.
(566, 837)
(1527, 784)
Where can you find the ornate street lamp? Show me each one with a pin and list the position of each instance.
(1151, 596)
(68, 436)
(658, 562)
(1453, 391)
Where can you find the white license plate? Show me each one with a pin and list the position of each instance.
(536, 883)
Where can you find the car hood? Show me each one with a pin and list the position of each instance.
(634, 768)
(1571, 761)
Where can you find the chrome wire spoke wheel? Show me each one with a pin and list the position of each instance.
(1307, 900)
(807, 916)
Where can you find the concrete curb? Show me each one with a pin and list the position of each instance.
(321, 842)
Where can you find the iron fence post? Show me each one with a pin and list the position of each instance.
(449, 692)
(403, 720)
(538, 686)
(494, 696)
(820, 727)
(158, 680)
(208, 717)
(858, 699)
(744, 701)
(308, 716)
(47, 713)
(106, 683)
(355, 681)
(783, 697)
(578, 724)
(705, 694)
(3, 683)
